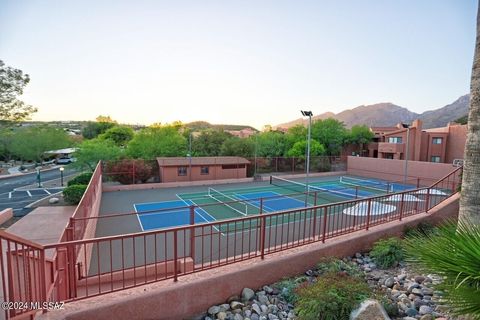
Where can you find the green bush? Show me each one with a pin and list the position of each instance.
(288, 288)
(387, 252)
(327, 265)
(73, 194)
(83, 178)
(332, 297)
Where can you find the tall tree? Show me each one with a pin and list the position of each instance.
(94, 150)
(31, 143)
(120, 135)
(235, 146)
(470, 198)
(270, 144)
(359, 135)
(12, 83)
(209, 143)
(331, 133)
(158, 141)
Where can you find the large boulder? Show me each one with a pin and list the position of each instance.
(369, 310)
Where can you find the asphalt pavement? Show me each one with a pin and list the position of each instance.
(20, 191)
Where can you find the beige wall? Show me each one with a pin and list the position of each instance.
(170, 173)
(456, 142)
(393, 170)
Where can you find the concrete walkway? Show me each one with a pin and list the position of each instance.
(43, 225)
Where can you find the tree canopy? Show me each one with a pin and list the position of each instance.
(120, 135)
(31, 143)
(92, 151)
(158, 141)
(12, 83)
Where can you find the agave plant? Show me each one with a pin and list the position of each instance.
(453, 252)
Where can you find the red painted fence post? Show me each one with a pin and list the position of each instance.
(427, 201)
(175, 256)
(314, 215)
(262, 236)
(324, 236)
(402, 205)
(192, 233)
(368, 213)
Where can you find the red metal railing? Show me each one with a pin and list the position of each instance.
(84, 207)
(51, 273)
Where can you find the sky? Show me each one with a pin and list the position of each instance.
(236, 62)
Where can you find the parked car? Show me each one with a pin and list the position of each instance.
(65, 160)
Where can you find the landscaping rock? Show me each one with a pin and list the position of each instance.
(425, 310)
(369, 310)
(53, 200)
(214, 310)
(389, 282)
(247, 294)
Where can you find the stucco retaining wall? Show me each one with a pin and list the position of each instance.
(5, 215)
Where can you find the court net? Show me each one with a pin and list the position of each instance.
(301, 187)
(228, 201)
(377, 186)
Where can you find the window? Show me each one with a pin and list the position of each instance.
(394, 139)
(204, 170)
(435, 159)
(232, 166)
(437, 140)
(182, 171)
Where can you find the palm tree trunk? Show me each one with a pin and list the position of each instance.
(470, 198)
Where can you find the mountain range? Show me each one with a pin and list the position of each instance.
(388, 114)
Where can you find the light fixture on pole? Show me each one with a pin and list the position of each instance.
(308, 114)
(406, 126)
(61, 175)
(39, 179)
(190, 156)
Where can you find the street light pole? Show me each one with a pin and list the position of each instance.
(406, 153)
(39, 180)
(190, 156)
(308, 114)
(61, 175)
(255, 156)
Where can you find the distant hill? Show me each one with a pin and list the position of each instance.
(388, 114)
(451, 112)
(202, 125)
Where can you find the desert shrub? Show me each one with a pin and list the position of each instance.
(83, 178)
(387, 252)
(327, 265)
(73, 194)
(130, 171)
(288, 288)
(332, 297)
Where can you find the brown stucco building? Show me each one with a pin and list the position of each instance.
(433, 145)
(175, 169)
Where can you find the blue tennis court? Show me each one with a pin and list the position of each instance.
(270, 204)
(169, 214)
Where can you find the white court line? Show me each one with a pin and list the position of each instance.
(253, 202)
(138, 217)
(200, 214)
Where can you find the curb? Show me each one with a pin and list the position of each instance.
(24, 174)
(30, 205)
